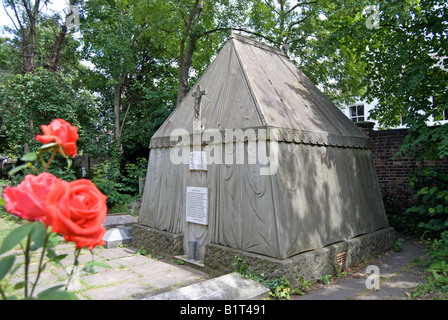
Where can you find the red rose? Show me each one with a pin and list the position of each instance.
(77, 210)
(27, 200)
(61, 132)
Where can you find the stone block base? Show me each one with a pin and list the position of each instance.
(309, 265)
(157, 241)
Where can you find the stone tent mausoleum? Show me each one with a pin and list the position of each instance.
(256, 162)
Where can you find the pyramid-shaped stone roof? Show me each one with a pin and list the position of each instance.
(252, 85)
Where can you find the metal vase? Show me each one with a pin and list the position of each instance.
(192, 250)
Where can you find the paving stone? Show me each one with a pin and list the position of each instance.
(44, 278)
(73, 286)
(134, 260)
(171, 278)
(108, 277)
(152, 268)
(116, 253)
(228, 287)
(125, 290)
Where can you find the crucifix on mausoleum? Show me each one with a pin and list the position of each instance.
(197, 101)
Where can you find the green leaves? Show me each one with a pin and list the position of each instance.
(16, 236)
(37, 237)
(430, 211)
(31, 100)
(30, 157)
(19, 168)
(6, 264)
(89, 266)
(38, 233)
(56, 293)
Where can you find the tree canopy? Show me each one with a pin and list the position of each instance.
(404, 67)
(143, 56)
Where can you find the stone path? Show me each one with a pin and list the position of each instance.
(130, 276)
(397, 273)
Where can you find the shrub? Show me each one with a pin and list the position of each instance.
(430, 210)
(108, 186)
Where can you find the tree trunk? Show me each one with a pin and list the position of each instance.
(29, 47)
(59, 41)
(118, 89)
(186, 56)
(57, 49)
(117, 96)
(184, 70)
(26, 52)
(29, 44)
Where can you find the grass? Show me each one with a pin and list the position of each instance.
(6, 225)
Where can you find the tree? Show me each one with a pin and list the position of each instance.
(190, 31)
(404, 45)
(38, 41)
(133, 77)
(26, 14)
(10, 62)
(403, 67)
(59, 41)
(38, 98)
(110, 40)
(301, 29)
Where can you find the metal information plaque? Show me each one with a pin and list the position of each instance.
(197, 205)
(197, 160)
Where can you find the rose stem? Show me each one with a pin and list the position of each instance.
(2, 293)
(44, 248)
(75, 264)
(49, 161)
(27, 262)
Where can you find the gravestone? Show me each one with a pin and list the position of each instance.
(119, 219)
(118, 236)
(256, 162)
(228, 287)
(119, 229)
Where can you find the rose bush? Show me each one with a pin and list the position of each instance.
(74, 209)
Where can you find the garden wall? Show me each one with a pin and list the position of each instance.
(393, 173)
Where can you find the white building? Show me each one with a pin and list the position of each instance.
(360, 111)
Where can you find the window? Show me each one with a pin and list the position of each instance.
(357, 113)
(403, 121)
(443, 114)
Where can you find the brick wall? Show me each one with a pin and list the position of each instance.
(393, 173)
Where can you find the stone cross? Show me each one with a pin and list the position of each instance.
(197, 101)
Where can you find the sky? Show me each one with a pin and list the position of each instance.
(55, 5)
